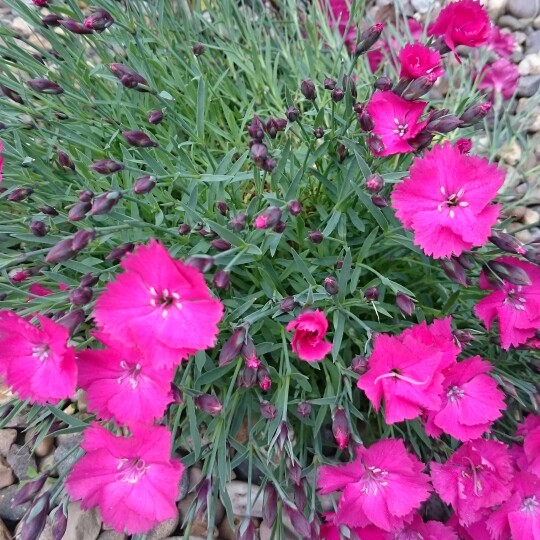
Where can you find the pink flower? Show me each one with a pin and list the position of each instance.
(502, 43)
(462, 23)
(396, 121)
(471, 401)
(160, 304)
(500, 77)
(308, 339)
(407, 370)
(122, 382)
(416, 530)
(36, 289)
(474, 531)
(132, 480)
(446, 201)
(37, 364)
(477, 476)
(519, 516)
(383, 486)
(417, 60)
(517, 307)
(530, 430)
(464, 145)
(340, 14)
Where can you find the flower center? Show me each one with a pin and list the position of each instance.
(129, 374)
(474, 476)
(452, 201)
(454, 393)
(530, 504)
(514, 298)
(401, 127)
(164, 300)
(41, 352)
(373, 480)
(131, 470)
(395, 374)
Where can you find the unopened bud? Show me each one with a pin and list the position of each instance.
(329, 84)
(283, 434)
(368, 38)
(418, 87)
(48, 210)
(220, 244)
(239, 222)
(107, 166)
(270, 504)
(287, 304)
(375, 144)
(268, 218)
(99, 20)
(119, 251)
(337, 94)
(359, 365)
(86, 195)
(52, 19)
(222, 207)
(349, 85)
(271, 128)
(265, 382)
(178, 395)
(294, 207)
(144, 184)
(463, 337)
(129, 77)
(258, 152)
(39, 228)
(507, 242)
(203, 264)
(184, 229)
(139, 139)
(300, 498)
(40, 3)
(81, 296)
(316, 237)
(366, 121)
(308, 89)
(422, 140)
(59, 523)
(246, 530)
(341, 152)
(11, 94)
(405, 304)
(474, 114)
(371, 294)
(338, 265)
(509, 272)
(19, 194)
(295, 472)
(16, 276)
(298, 520)
(269, 164)
(82, 238)
(247, 377)
(209, 404)
(444, 124)
(379, 201)
(304, 409)
(105, 203)
(374, 183)
(292, 114)
(45, 86)
(88, 280)
(533, 255)
(464, 145)
(64, 160)
(29, 490)
(318, 132)
(33, 522)
(466, 260)
(340, 428)
(454, 271)
(330, 285)
(233, 346)
(383, 83)
(198, 49)
(268, 410)
(79, 211)
(75, 27)
(62, 251)
(221, 279)
(155, 117)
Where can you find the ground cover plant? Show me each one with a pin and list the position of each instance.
(244, 234)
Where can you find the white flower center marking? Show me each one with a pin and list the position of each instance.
(514, 299)
(530, 504)
(373, 480)
(401, 127)
(130, 374)
(452, 201)
(164, 300)
(131, 470)
(454, 393)
(41, 352)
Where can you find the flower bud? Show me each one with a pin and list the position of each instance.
(129, 77)
(198, 49)
(52, 19)
(374, 183)
(304, 409)
(463, 145)
(239, 222)
(283, 434)
(338, 265)
(379, 201)
(144, 184)
(184, 229)
(383, 83)
(368, 38)
(59, 523)
(509, 272)
(330, 285)
(375, 144)
(463, 337)
(444, 124)
(82, 238)
(258, 152)
(233, 346)
(340, 428)
(62, 251)
(221, 279)
(40, 3)
(292, 114)
(337, 94)
(19, 194)
(119, 251)
(247, 377)
(81, 296)
(246, 530)
(39, 228)
(107, 166)
(533, 255)
(271, 128)
(105, 203)
(287, 304)
(79, 211)
(11, 94)
(203, 264)
(48, 210)
(16, 276)
(294, 471)
(222, 207)
(507, 242)
(366, 122)
(249, 353)
(359, 365)
(44, 86)
(29, 490)
(270, 504)
(422, 140)
(279, 227)
(86, 195)
(329, 84)
(269, 164)
(75, 27)
(265, 382)
(268, 218)
(371, 294)
(474, 114)
(454, 271)
(405, 304)
(64, 160)
(318, 132)
(155, 117)
(341, 152)
(99, 20)
(33, 522)
(220, 244)
(139, 139)
(300, 498)
(295, 207)
(316, 237)
(209, 404)
(268, 410)
(88, 280)
(350, 85)
(308, 89)
(178, 395)
(299, 522)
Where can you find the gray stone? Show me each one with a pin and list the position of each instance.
(528, 85)
(6, 474)
(111, 535)
(6, 498)
(532, 45)
(7, 438)
(21, 461)
(507, 21)
(67, 453)
(82, 524)
(164, 529)
(523, 9)
(423, 6)
(4, 532)
(237, 492)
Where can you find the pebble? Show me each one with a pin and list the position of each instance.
(4, 531)
(6, 498)
(528, 85)
(531, 217)
(423, 6)
(507, 21)
(523, 9)
(237, 492)
(6, 474)
(82, 524)
(164, 529)
(511, 153)
(532, 45)
(7, 438)
(530, 65)
(111, 535)
(496, 8)
(21, 461)
(536, 22)
(64, 458)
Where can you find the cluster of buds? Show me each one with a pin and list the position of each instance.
(508, 243)
(239, 344)
(257, 131)
(456, 271)
(496, 271)
(270, 218)
(129, 77)
(69, 247)
(94, 206)
(368, 38)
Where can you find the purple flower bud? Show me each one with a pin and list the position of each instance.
(249, 353)
(318, 132)
(454, 271)
(19, 194)
(11, 94)
(220, 244)
(258, 152)
(341, 152)
(467, 261)
(121, 71)
(509, 272)
(474, 114)
(75, 27)
(39, 228)
(86, 195)
(316, 237)
(105, 202)
(265, 382)
(379, 201)
(118, 252)
(99, 20)
(40, 3)
(271, 128)
(330, 285)
(268, 218)
(304, 409)
(340, 428)
(59, 523)
(283, 434)
(422, 140)
(444, 124)
(299, 522)
(79, 211)
(350, 85)
(44, 86)
(33, 522)
(269, 164)
(300, 498)
(464, 337)
(338, 265)
(51, 20)
(279, 227)
(88, 280)
(359, 365)
(368, 38)
(418, 87)
(239, 222)
(246, 530)
(337, 94)
(29, 490)
(64, 160)
(375, 144)
(62, 251)
(209, 404)
(358, 108)
(287, 304)
(81, 296)
(144, 184)
(155, 117)
(82, 238)
(507, 242)
(383, 83)
(203, 264)
(295, 472)
(247, 377)
(329, 84)
(371, 294)
(107, 166)
(48, 210)
(405, 304)
(184, 229)
(198, 49)
(268, 410)
(222, 207)
(374, 183)
(233, 346)
(295, 207)
(270, 504)
(139, 139)
(308, 89)
(366, 122)
(221, 279)
(292, 114)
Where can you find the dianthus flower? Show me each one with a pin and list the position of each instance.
(416, 530)
(160, 304)
(501, 43)
(517, 307)
(132, 480)
(383, 486)
(530, 431)
(477, 476)
(38, 364)
(462, 23)
(417, 60)
(471, 401)
(340, 14)
(475, 531)
(519, 516)
(407, 370)
(122, 382)
(308, 339)
(500, 77)
(397, 121)
(446, 201)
